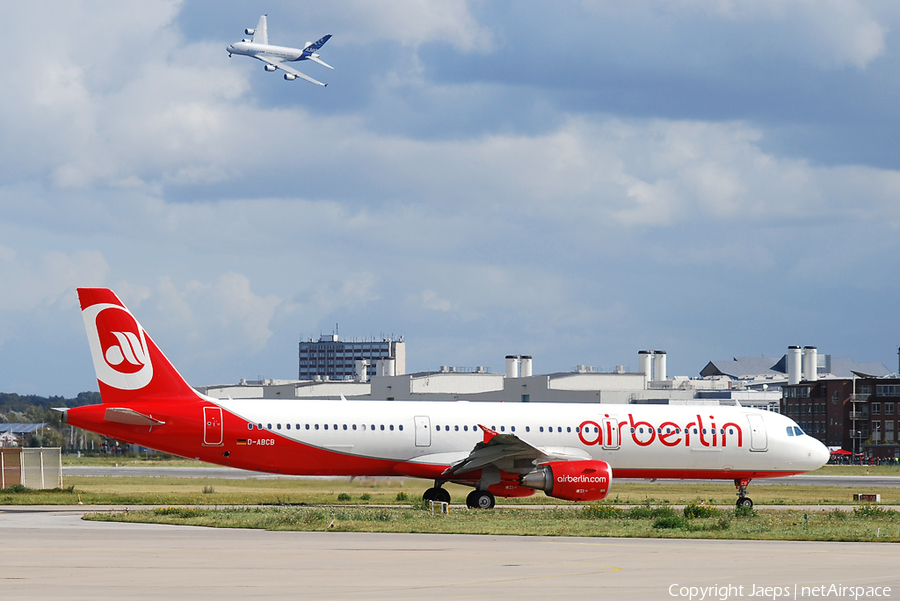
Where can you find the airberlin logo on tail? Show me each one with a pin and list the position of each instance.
(118, 347)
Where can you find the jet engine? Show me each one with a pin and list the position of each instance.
(249, 31)
(586, 480)
(290, 76)
(269, 68)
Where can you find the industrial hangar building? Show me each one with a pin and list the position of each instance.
(650, 384)
(843, 403)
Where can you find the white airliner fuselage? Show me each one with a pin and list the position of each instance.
(570, 451)
(258, 47)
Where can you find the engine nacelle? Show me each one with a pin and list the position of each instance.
(270, 68)
(249, 31)
(586, 480)
(290, 76)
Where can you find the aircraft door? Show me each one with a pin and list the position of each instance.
(758, 438)
(610, 428)
(213, 431)
(423, 431)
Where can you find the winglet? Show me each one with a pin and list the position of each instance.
(488, 433)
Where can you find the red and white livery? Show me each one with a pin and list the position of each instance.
(568, 450)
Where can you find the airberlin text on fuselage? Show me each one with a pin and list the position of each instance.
(667, 433)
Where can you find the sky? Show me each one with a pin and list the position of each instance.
(573, 180)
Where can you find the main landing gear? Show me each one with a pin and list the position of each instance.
(743, 499)
(480, 499)
(436, 494)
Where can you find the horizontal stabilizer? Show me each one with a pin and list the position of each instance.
(320, 61)
(123, 415)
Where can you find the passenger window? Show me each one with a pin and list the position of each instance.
(542, 428)
(392, 427)
(249, 426)
(278, 426)
(288, 426)
(503, 428)
(465, 428)
(512, 428)
(401, 427)
(559, 429)
(335, 426)
(373, 427)
(317, 426)
(456, 428)
(345, 426)
(528, 428)
(382, 427)
(326, 426)
(307, 426)
(259, 426)
(438, 428)
(354, 426)
(270, 426)
(568, 429)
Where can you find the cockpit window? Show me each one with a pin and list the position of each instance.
(798, 431)
(790, 430)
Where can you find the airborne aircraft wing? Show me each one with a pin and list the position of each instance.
(506, 450)
(278, 64)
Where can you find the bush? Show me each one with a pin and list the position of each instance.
(694, 510)
(867, 510)
(343, 497)
(16, 488)
(602, 512)
(670, 522)
(402, 496)
(645, 512)
(208, 490)
(365, 496)
(741, 511)
(181, 512)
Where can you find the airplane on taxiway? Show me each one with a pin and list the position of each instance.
(275, 57)
(568, 450)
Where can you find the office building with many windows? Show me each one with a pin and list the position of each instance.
(332, 359)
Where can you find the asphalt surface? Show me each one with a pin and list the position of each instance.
(49, 553)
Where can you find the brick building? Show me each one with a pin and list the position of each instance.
(859, 414)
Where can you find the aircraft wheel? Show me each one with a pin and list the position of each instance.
(441, 495)
(480, 499)
(431, 494)
(744, 502)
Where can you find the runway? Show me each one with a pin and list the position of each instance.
(49, 553)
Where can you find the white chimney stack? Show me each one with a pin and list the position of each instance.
(512, 366)
(659, 366)
(525, 366)
(793, 364)
(810, 363)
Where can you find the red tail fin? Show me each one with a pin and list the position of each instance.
(129, 365)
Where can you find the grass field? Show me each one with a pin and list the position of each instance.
(118, 490)
(864, 523)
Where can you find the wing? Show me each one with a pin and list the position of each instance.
(278, 64)
(509, 453)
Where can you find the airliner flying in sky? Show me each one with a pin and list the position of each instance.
(568, 450)
(275, 57)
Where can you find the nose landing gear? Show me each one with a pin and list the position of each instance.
(743, 500)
